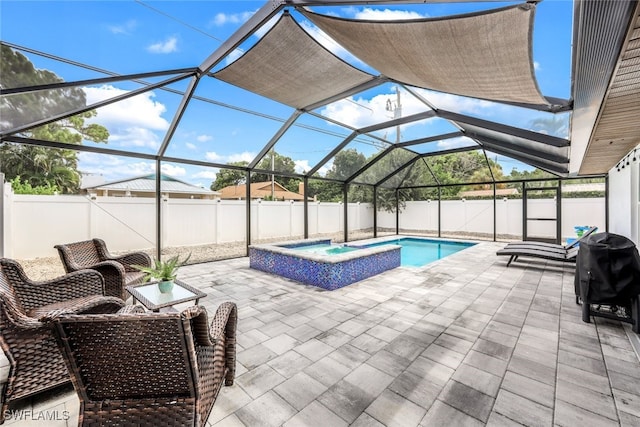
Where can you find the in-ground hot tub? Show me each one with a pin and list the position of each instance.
(319, 263)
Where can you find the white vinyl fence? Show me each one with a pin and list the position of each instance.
(476, 216)
(32, 225)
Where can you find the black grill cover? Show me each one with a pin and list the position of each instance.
(607, 269)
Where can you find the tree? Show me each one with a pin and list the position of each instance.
(228, 177)
(277, 163)
(40, 166)
(346, 163)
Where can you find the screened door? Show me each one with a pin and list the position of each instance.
(541, 214)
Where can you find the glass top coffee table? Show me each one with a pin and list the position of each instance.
(150, 296)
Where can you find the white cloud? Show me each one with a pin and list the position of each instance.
(204, 138)
(231, 18)
(244, 156)
(213, 156)
(112, 168)
(207, 174)
(536, 65)
(386, 14)
(460, 141)
(135, 137)
(126, 28)
(302, 166)
(459, 104)
(132, 121)
(360, 112)
(168, 46)
(190, 146)
(172, 170)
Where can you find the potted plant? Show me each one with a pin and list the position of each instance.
(164, 272)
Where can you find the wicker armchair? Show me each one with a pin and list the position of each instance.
(26, 337)
(176, 365)
(116, 270)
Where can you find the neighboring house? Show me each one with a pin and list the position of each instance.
(259, 190)
(500, 192)
(145, 186)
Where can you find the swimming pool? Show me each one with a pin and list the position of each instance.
(417, 252)
(320, 263)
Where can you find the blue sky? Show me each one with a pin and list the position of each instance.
(127, 37)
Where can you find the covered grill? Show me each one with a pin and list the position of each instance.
(607, 279)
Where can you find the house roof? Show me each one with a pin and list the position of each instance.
(147, 184)
(259, 190)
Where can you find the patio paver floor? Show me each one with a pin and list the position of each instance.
(464, 341)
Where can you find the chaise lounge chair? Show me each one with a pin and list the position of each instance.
(553, 254)
(551, 246)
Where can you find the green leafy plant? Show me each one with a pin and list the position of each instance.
(163, 270)
(25, 187)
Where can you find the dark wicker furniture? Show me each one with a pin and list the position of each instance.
(149, 295)
(116, 270)
(175, 365)
(26, 337)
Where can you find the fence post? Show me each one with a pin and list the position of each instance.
(4, 206)
(258, 220)
(217, 223)
(164, 220)
(92, 199)
(291, 218)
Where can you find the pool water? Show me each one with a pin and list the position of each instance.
(419, 252)
(325, 249)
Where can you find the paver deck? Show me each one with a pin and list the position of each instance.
(465, 341)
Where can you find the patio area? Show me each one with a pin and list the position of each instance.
(464, 341)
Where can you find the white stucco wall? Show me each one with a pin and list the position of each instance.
(624, 199)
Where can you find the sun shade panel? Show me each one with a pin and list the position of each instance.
(289, 66)
(447, 54)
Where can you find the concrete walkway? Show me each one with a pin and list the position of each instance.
(462, 342)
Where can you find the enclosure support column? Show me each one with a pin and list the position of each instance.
(559, 213)
(375, 211)
(158, 209)
(346, 211)
(524, 212)
(494, 212)
(439, 212)
(305, 205)
(248, 209)
(606, 203)
(397, 212)
(3, 206)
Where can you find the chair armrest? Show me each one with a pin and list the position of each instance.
(109, 268)
(131, 309)
(77, 284)
(225, 321)
(92, 304)
(135, 258)
(224, 326)
(17, 317)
